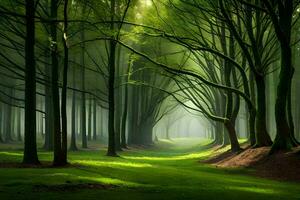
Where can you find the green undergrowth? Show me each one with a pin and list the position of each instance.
(168, 170)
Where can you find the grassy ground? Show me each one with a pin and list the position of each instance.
(170, 170)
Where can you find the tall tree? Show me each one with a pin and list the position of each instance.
(64, 128)
(73, 146)
(95, 119)
(90, 119)
(30, 148)
(111, 151)
(58, 159)
(83, 95)
(281, 14)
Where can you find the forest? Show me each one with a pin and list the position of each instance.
(150, 99)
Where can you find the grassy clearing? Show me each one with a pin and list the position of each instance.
(170, 170)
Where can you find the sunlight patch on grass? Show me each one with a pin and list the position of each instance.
(194, 155)
(113, 181)
(112, 164)
(95, 179)
(167, 141)
(10, 153)
(58, 174)
(179, 157)
(255, 190)
(182, 143)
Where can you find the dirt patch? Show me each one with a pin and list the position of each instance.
(245, 158)
(279, 166)
(71, 187)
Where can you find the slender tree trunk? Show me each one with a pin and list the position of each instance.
(83, 121)
(1, 123)
(95, 120)
(57, 160)
(77, 117)
(90, 120)
(118, 100)
(30, 148)
(48, 145)
(130, 116)
(73, 146)
(42, 125)
(19, 124)
(235, 147)
(230, 126)
(219, 126)
(283, 138)
(8, 123)
(124, 116)
(269, 104)
(236, 104)
(83, 103)
(111, 151)
(12, 120)
(290, 113)
(111, 130)
(102, 123)
(262, 136)
(252, 112)
(64, 120)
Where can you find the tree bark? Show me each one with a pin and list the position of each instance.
(1, 123)
(73, 146)
(57, 160)
(262, 136)
(19, 124)
(111, 151)
(282, 21)
(30, 148)
(95, 120)
(64, 120)
(48, 145)
(83, 103)
(8, 122)
(90, 120)
(252, 112)
(235, 147)
(124, 116)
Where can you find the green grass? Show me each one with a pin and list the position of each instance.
(170, 170)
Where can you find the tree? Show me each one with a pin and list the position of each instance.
(73, 146)
(83, 96)
(30, 149)
(281, 14)
(111, 151)
(258, 63)
(64, 130)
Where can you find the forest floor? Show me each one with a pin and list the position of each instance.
(284, 166)
(168, 170)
